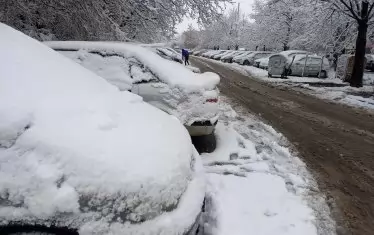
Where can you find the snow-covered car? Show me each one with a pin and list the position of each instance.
(228, 58)
(237, 59)
(169, 86)
(311, 65)
(77, 155)
(220, 55)
(279, 63)
(263, 63)
(199, 52)
(249, 59)
(169, 53)
(210, 53)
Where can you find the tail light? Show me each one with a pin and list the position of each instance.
(215, 100)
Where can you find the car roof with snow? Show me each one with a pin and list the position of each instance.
(291, 52)
(77, 152)
(174, 74)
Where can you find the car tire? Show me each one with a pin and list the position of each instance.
(323, 74)
(246, 62)
(205, 143)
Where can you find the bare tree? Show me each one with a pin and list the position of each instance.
(361, 11)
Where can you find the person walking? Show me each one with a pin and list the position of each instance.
(185, 56)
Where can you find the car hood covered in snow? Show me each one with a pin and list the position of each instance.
(174, 74)
(75, 151)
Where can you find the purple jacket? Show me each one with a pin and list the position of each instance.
(185, 53)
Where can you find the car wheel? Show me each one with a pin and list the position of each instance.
(246, 62)
(205, 143)
(323, 74)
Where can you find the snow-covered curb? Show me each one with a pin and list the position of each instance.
(256, 185)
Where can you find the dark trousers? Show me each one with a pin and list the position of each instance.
(186, 60)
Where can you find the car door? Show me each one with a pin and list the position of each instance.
(297, 67)
(313, 66)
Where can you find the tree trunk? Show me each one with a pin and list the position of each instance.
(285, 47)
(359, 62)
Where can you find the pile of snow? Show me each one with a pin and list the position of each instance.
(119, 71)
(174, 74)
(76, 151)
(257, 186)
(113, 68)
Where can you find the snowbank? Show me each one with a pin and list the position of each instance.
(174, 74)
(75, 150)
(256, 185)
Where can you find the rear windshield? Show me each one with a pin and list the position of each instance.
(116, 69)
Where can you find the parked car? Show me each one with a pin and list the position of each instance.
(229, 57)
(169, 53)
(211, 53)
(279, 63)
(309, 65)
(220, 55)
(250, 58)
(169, 86)
(199, 52)
(78, 156)
(263, 63)
(237, 58)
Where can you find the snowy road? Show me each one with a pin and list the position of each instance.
(335, 141)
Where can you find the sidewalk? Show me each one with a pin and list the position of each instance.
(256, 186)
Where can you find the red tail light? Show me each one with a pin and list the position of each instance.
(212, 100)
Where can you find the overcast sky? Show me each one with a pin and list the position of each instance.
(245, 6)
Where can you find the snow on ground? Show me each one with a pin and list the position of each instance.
(332, 89)
(75, 151)
(256, 185)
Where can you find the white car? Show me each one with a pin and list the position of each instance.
(79, 156)
(238, 58)
(310, 65)
(170, 54)
(279, 63)
(169, 86)
(211, 53)
(262, 63)
(249, 59)
(222, 54)
(229, 57)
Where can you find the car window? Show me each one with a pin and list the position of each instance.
(302, 60)
(294, 54)
(260, 55)
(116, 69)
(314, 61)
